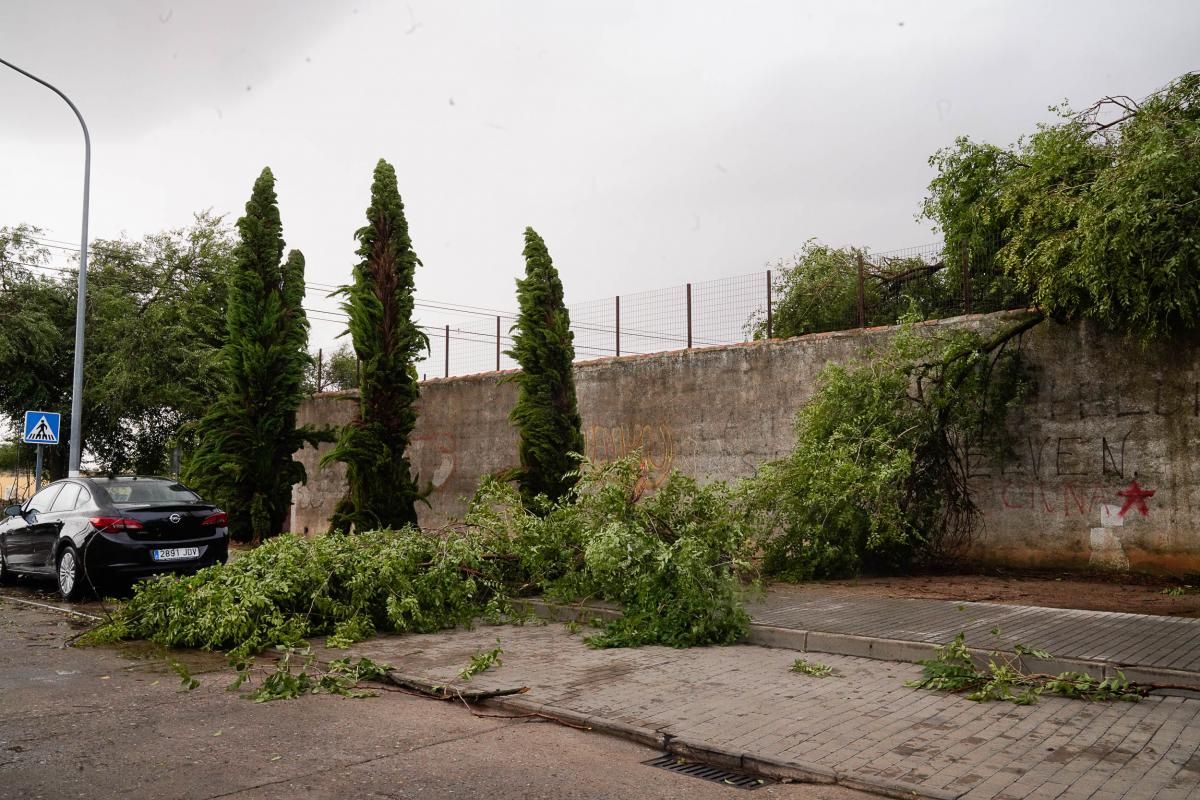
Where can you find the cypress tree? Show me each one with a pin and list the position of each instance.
(546, 414)
(381, 488)
(243, 458)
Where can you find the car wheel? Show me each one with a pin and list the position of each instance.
(70, 574)
(6, 575)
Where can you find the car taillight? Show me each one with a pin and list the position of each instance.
(217, 520)
(114, 524)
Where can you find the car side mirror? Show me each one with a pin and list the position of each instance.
(13, 511)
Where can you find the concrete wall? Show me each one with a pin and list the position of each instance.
(1106, 413)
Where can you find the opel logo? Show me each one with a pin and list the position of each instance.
(175, 518)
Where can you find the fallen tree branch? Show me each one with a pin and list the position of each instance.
(528, 715)
(419, 687)
(446, 692)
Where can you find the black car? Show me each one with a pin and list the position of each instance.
(98, 531)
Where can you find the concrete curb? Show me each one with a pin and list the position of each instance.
(708, 753)
(898, 650)
(898, 789)
(700, 751)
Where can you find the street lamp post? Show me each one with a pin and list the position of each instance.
(81, 301)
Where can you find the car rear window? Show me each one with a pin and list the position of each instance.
(140, 493)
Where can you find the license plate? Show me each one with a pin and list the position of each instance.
(175, 553)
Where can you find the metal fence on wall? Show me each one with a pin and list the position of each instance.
(851, 290)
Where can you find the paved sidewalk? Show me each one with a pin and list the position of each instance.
(861, 727)
(1151, 649)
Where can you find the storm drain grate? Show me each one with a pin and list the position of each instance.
(728, 777)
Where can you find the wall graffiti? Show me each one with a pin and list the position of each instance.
(1066, 499)
(1135, 397)
(1135, 497)
(1058, 456)
(1070, 499)
(656, 442)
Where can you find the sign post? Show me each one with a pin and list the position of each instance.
(41, 428)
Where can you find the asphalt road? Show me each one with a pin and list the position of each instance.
(114, 723)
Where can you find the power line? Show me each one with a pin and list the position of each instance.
(465, 308)
(63, 270)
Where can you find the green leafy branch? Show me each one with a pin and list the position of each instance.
(342, 677)
(481, 662)
(813, 668)
(953, 670)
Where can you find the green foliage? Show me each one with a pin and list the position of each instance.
(382, 490)
(186, 682)
(876, 480)
(964, 202)
(1081, 685)
(952, 670)
(818, 291)
(339, 371)
(37, 330)
(1093, 217)
(10, 456)
(246, 440)
(671, 558)
(546, 414)
(163, 295)
(341, 678)
(291, 589)
(813, 668)
(481, 662)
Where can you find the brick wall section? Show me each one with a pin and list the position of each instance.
(1107, 412)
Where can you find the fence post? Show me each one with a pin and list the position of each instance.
(319, 353)
(862, 292)
(618, 326)
(689, 315)
(769, 316)
(497, 343)
(447, 350)
(966, 282)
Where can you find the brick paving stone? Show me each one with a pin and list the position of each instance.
(1163, 644)
(1108, 637)
(862, 721)
(1187, 656)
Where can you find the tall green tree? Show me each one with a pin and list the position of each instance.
(1094, 216)
(163, 294)
(965, 202)
(546, 414)
(37, 329)
(246, 441)
(382, 489)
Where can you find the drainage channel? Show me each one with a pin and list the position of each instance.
(695, 769)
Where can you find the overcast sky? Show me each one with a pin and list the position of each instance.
(650, 143)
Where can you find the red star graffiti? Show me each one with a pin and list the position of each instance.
(1135, 497)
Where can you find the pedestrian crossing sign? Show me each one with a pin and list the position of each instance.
(41, 427)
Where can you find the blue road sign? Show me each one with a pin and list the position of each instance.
(41, 427)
